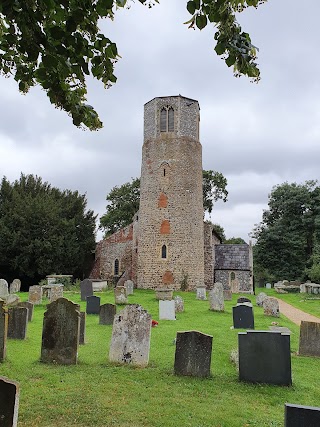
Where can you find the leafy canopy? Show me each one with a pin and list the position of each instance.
(57, 44)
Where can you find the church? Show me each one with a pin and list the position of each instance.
(168, 244)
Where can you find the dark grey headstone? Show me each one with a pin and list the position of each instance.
(309, 343)
(243, 317)
(9, 398)
(3, 331)
(193, 354)
(301, 416)
(29, 306)
(93, 305)
(17, 322)
(82, 334)
(242, 300)
(86, 289)
(107, 313)
(264, 357)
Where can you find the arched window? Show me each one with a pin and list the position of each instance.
(232, 275)
(116, 267)
(164, 252)
(167, 119)
(163, 120)
(170, 120)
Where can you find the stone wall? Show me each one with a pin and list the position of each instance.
(208, 255)
(241, 283)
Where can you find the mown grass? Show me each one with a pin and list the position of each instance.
(97, 393)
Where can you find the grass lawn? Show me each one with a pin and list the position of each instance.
(97, 393)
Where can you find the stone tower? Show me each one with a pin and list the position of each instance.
(171, 244)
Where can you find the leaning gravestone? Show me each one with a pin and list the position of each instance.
(193, 354)
(15, 286)
(107, 313)
(271, 307)
(301, 416)
(17, 323)
(178, 304)
(35, 294)
(201, 293)
(120, 295)
(216, 299)
(128, 284)
(93, 305)
(130, 342)
(309, 343)
(264, 357)
(260, 298)
(167, 310)
(29, 306)
(9, 398)
(3, 330)
(60, 333)
(86, 289)
(3, 288)
(82, 332)
(243, 317)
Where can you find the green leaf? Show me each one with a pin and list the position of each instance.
(197, 3)
(220, 48)
(191, 7)
(201, 21)
(57, 33)
(230, 60)
(104, 7)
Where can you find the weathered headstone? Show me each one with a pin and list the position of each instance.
(3, 331)
(268, 286)
(55, 292)
(216, 299)
(243, 317)
(271, 307)
(227, 295)
(3, 288)
(17, 322)
(179, 304)
(35, 294)
(9, 406)
(15, 286)
(193, 354)
(12, 299)
(260, 298)
(309, 343)
(264, 357)
(167, 310)
(82, 332)
(107, 313)
(301, 416)
(86, 289)
(29, 306)
(201, 293)
(93, 305)
(130, 342)
(242, 300)
(128, 284)
(120, 295)
(60, 334)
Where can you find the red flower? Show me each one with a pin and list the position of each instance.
(154, 323)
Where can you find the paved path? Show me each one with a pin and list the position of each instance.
(294, 314)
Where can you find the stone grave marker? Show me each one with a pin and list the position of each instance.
(271, 307)
(179, 304)
(242, 300)
(301, 416)
(201, 293)
(107, 313)
(260, 298)
(17, 322)
(93, 305)
(9, 406)
(128, 284)
(216, 299)
(15, 286)
(35, 294)
(29, 306)
(164, 294)
(227, 295)
(268, 286)
(60, 333)
(264, 357)
(3, 331)
(82, 332)
(3, 288)
(12, 299)
(55, 291)
(86, 289)
(130, 342)
(193, 354)
(309, 343)
(167, 310)
(120, 295)
(243, 317)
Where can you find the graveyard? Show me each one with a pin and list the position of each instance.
(97, 392)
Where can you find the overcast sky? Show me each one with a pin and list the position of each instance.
(257, 135)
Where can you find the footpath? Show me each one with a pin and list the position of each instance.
(294, 314)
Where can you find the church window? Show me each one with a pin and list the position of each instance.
(167, 119)
(163, 120)
(164, 172)
(116, 267)
(232, 275)
(170, 120)
(164, 252)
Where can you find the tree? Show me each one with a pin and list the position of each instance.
(43, 230)
(57, 43)
(123, 201)
(235, 241)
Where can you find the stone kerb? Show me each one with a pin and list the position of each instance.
(309, 342)
(9, 398)
(3, 331)
(131, 332)
(271, 307)
(216, 299)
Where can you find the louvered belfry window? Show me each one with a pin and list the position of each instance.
(167, 119)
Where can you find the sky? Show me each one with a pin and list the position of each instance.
(257, 135)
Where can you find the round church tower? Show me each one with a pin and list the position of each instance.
(171, 244)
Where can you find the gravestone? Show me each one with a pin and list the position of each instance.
(35, 294)
(3, 288)
(268, 286)
(216, 299)
(130, 342)
(12, 299)
(9, 398)
(120, 295)
(242, 300)
(167, 310)
(29, 306)
(82, 332)
(128, 284)
(17, 322)
(201, 293)
(243, 317)
(271, 307)
(193, 354)
(3, 331)
(227, 295)
(93, 305)
(60, 333)
(107, 313)
(164, 294)
(301, 416)
(15, 286)
(86, 289)
(264, 357)
(55, 292)
(309, 343)
(178, 304)
(260, 298)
